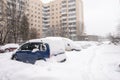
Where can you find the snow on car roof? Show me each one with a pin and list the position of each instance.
(47, 38)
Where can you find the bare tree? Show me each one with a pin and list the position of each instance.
(24, 28)
(33, 33)
(62, 31)
(15, 13)
(54, 31)
(11, 14)
(3, 20)
(118, 30)
(50, 32)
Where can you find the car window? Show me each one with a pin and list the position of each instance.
(34, 46)
(31, 46)
(43, 47)
(25, 46)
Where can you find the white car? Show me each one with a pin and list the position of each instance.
(64, 43)
(8, 47)
(70, 45)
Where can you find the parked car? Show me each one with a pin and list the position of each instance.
(70, 45)
(39, 49)
(65, 43)
(8, 47)
(1, 51)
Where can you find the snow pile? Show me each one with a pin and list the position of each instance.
(94, 63)
(86, 44)
(105, 65)
(71, 45)
(55, 43)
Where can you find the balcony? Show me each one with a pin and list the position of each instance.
(72, 1)
(71, 21)
(72, 7)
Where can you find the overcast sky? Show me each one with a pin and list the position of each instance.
(101, 16)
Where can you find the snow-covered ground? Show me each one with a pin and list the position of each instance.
(94, 63)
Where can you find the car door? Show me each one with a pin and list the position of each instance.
(25, 53)
(43, 51)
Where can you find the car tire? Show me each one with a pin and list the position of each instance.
(13, 57)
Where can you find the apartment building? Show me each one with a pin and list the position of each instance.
(34, 13)
(52, 18)
(56, 18)
(72, 18)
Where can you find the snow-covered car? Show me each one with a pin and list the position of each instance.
(64, 43)
(70, 45)
(1, 51)
(38, 49)
(8, 47)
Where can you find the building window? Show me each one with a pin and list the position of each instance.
(72, 5)
(64, 19)
(64, 14)
(70, 1)
(64, 6)
(52, 25)
(52, 13)
(72, 18)
(63, 1)
(64, 10)
(73, 23)
(64, 24)
(70, 10)
(27, 14)
(72, 14)
(52, 9)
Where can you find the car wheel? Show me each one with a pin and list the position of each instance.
(13, 57)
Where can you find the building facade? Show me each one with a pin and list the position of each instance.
(72, 18)
(34, 13)
(56, 18)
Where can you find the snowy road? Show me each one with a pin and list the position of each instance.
(95, 63)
